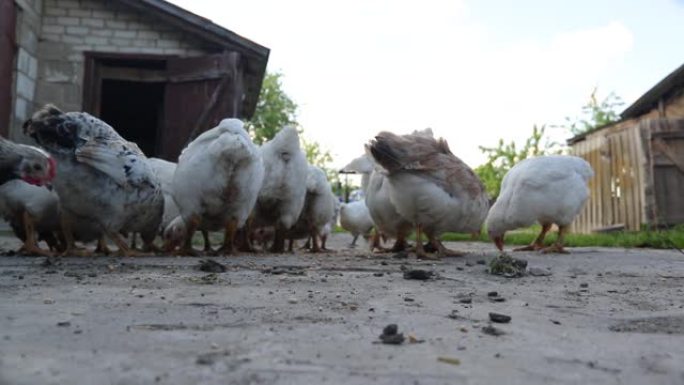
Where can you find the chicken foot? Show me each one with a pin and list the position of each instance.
(537, 244)
(30, 245)
(557, 246)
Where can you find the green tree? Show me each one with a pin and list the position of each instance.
(274, 110)
(595, 113)
(504, 156)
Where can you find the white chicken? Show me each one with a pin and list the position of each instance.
(29, 210)
(430, 187)
(216, 182)
(282, 195)
(102, 179)
(355, 218)
(388, 222)
(546, 189)
(165, 171)
(319, 209)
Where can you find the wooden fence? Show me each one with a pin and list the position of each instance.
(617, 188)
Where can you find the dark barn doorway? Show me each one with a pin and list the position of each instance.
(135, 110)
(161, 102)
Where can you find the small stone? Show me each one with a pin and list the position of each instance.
(493, 294)
(499, 318)
(408, 299)
(481, 262)
(555, 322)
(378, 274)
(538, 272)
(497, 299)
(292, 300)
(466, 300)
(390, 329)
(492, 331)
(211, 266)
(584, 285)
(418, 274)
(64, 323)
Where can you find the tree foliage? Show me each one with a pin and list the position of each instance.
(274, 110)
(504, 156)
(596, 113)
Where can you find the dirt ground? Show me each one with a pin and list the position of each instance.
(603, 316)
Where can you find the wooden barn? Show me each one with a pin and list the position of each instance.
(638, 162)
(156, 72)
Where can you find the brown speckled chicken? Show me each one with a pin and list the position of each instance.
(430, 186)
(102, 178)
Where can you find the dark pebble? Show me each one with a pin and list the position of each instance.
(465, 300)
(584, 284)
(390, 329)
(493, 294)
(481, 262)
(499, 318)
(492, 331)
(64, 323)
(497, 299)
(211, 266)
(418, 274)
(555, 322)
(396, 339)
(408, 299)
(378, 274)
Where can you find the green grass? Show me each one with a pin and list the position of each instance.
(659, 239)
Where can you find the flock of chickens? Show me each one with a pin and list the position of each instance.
(100, 186)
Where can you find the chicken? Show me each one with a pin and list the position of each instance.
(165, 171)
(282, 195)
(29, 210)
(430, 187)
(319, 209)
(388, 222)
(28, 163)
(103, 180)
(332, 223)
(354, 217)
(546, 189)
(216, 182)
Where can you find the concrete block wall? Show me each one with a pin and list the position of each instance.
(70, 27)
(25, 74)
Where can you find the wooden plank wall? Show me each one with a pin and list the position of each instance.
(616, 190)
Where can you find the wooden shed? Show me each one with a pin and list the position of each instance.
(638, 163)
(156, 72)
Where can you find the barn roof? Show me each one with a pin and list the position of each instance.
(256, 55)
(649, 100)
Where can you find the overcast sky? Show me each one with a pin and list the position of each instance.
(473, 71)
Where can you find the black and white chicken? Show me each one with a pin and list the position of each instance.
(102, 179)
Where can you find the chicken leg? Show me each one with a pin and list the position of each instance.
(557, 246)
(71, 249)
(228, 247)
(537, 244)
(124, 249)
(30, 245)
(442, 251)
(190, 229)
(420, 251)
(102, 247)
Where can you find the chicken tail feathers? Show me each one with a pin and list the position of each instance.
(385, 154)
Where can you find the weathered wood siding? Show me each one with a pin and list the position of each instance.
(616, 193)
